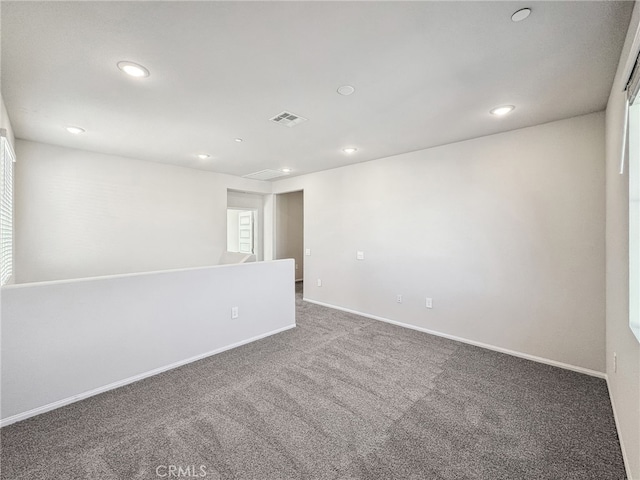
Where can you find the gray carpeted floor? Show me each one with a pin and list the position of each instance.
(338, 397)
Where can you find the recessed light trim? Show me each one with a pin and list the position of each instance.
(286, 170)
(350, 150)
(346, 90)
(521, 14)
(75, 130)
(502, 110)
(239, 140)
(203, 156)
(133, 69)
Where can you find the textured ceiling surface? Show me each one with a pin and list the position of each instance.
(425, 74)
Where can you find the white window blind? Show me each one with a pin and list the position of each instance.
(633, 84)
(631, 92)
(6, 208)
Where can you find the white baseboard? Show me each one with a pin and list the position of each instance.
(121, 383)
(514, 353)
(627, 467)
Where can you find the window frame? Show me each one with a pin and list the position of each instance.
(7, 160)
(633, 135)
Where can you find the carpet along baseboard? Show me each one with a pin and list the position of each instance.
(514, 353)
(627, 467)
(121, 383)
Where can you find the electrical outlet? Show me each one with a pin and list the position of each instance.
(296, 266)
(234, 312)
(429, 303)
(399, 298)
(319, 282)
(359, 255)
(615, 362)
(307, 251)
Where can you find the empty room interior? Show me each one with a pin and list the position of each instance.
(320, 240)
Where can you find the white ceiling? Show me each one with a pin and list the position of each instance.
(425, 73)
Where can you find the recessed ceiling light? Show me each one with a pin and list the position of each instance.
(503, 110)
(350, 150)
(239, 140)
(75, 130)
(346, 90)
(286, 170)
(203, 156)
(133, 69)
(521, 14)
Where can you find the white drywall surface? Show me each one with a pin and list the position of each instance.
(624, 376)
(63, 339)
(505, 233)
(81, 214)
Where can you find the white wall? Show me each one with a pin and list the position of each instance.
(505, 233)
(245, 200)
(82, 214)
(624, 384)
(289, 229)
(65, 340)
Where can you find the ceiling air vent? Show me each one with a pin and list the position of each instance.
(288, 119)
(265, 174)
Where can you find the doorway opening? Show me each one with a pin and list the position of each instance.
(289, 231)
(241, 230)
(245, 223)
